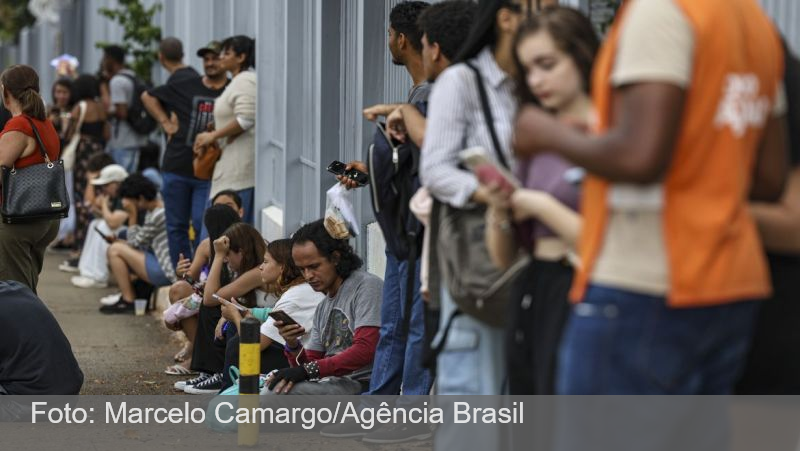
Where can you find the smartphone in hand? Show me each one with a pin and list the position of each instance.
(280, 315)
(224, 301)
(338, 168)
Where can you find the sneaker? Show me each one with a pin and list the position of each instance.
(181, 385)
(211, 386)
(398, 433)
(347, 429)
(69, 265)
(87, 282)
(111, 299)
(121, 306)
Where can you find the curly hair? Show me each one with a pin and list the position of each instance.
(338, 252)
(447, 24)
(403, 18)
(136, 186)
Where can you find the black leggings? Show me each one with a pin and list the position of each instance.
(272, 358)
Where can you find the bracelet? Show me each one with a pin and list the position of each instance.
(312, 370)
(294, 349)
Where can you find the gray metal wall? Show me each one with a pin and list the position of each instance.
(319, 64)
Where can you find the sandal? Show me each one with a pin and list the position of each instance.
(183, 354)
(179, 370)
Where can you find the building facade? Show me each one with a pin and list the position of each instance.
(319, 63)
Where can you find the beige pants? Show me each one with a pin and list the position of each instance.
(22, 248)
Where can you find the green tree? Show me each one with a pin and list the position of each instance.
(140, 36)
(14, 16)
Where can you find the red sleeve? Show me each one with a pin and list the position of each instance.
(360, 354)
(305, 356)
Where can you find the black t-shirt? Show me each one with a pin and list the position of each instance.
(193, 103)
(35, 356)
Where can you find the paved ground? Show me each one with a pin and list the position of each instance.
(119, 354)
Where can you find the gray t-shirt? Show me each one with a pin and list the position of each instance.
(419, 93)
(357, 304)
(122, 135)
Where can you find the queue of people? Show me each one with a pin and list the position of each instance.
(578, 216)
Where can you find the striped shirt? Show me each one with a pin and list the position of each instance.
(456, 122)
(152, 236)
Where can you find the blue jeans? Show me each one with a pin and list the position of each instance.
(618, 342)
(247, 196)
(398, 357)
(184, 200)
(127, 157)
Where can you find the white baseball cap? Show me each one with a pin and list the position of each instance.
(109, 174)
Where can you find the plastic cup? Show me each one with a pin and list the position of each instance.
(140, 305)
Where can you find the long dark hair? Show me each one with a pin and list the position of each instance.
(484, 30)
(281, 252)
(68, 85)
(22, 83)
(572, 33)
(245, 238)
(217, 219)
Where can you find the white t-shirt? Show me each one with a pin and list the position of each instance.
(299, 302)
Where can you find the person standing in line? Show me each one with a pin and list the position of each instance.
(94, 133)
(554, 51)
(690, 107)
(184, 107)
(22, 246)
(234, 122)
(125, 143)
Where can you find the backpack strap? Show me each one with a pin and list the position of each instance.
(487, 114)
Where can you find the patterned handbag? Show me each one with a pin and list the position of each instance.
(34, 193)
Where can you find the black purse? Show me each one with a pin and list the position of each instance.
(34, 193)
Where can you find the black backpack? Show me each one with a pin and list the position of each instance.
(394, 178)
(139, 119)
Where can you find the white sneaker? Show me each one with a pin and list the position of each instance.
(88, 282)
(111, 299)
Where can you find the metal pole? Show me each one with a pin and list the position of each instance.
(250, 367)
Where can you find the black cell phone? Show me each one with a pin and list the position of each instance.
(280, 315)
(105, 237)
(339, 168)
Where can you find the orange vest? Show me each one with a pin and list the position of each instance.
(714, 253)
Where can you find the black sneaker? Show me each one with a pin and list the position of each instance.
(70, 265)
(181, 385)
(210, 386)
(398, 433)
(348, 429)
(121, 306)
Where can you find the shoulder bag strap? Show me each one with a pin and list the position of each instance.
(39, 140)
(487, 113)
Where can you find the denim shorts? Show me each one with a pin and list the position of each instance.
(154, 271)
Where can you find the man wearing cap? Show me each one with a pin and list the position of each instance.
(111, 217)
(184, 107)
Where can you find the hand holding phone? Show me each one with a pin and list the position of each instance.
(224, 301)
(280, 315)
(339, 169)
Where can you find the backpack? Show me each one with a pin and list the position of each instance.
(394, 178)
(138, 118)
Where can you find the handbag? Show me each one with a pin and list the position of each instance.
(204, 162)
(34, 193)
(69, 151)
(476, 285)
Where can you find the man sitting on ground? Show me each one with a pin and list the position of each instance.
(337, 360)
(146, 253)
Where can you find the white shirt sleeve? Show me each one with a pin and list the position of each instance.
(656, 44)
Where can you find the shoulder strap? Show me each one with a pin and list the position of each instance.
(38, 140)
(487, 113)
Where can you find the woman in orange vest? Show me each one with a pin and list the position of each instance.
(690, 111)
